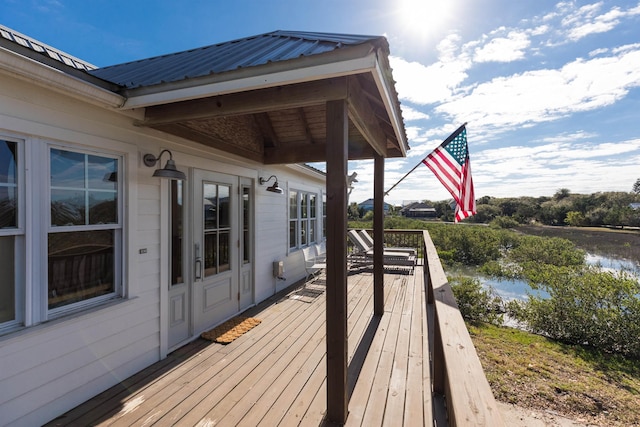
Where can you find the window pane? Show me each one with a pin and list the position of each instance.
(210, 192)
(304, 205)
(80, 266)
(67, 207)
(8, 184)
(103, 207)
(7, 279)
(223, 251)
(176, 232)
(103, 173)
(210, 253)
(246, 212)
(293, 204)
(293, 232)
(67, 169)
(312, 205)
(223, 201)
(8, 207)
(303, 233)
(312, 231)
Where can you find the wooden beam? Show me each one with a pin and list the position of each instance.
(336, 310)
(378, 235)
(250, 102)
(264, 123)
(209, 141)
(305, 125)
(308, 153)
(364, 118)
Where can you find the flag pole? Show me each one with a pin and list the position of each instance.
(445, 142)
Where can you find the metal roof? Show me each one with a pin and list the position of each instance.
(228, 56)
(41, 48)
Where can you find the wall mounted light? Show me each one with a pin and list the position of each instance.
(273, 188)
(169, 171)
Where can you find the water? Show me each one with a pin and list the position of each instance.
(519, 289)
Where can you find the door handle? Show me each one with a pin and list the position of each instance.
(198, 266)
(198, 262)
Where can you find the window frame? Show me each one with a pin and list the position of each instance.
(305, 225)
(19, 234)
(48, 229)
(34, 226)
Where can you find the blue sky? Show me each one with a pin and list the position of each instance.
(550, 89)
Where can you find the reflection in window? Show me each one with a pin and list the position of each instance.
(84, 189)
(7, 279)
(246, 224)
(177, 225)
(11, 238)
(8, 184)
(81, 266)
(216, 226)
(83, 243)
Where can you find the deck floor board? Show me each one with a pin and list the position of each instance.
(275, 374)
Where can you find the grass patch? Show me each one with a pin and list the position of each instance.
(580, 383)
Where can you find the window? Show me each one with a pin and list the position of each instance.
(177, 231)
(302, 219)
(84, 231)
(217, 228)
(11, 234)
(74, 232)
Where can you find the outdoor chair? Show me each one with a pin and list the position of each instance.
(363, 255)
(314, 261)
(368, 240)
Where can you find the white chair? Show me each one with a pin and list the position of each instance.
(313, 264)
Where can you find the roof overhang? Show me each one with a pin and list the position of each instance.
(83, 87)
(281, 105)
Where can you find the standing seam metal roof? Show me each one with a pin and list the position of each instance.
(228, 56)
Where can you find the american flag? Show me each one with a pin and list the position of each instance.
(450, 163)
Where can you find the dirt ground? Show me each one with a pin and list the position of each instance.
(516, 416)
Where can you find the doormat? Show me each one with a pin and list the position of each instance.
(231, 329)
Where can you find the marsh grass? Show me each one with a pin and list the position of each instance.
(581, 383)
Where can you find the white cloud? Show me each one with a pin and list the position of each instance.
(410, 114)
(503, 49)
(544, 95)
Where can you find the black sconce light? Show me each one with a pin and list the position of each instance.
(169, 170)
(273, 188)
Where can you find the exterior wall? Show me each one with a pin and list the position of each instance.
(48, 368)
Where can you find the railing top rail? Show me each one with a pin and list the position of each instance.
(470, 401)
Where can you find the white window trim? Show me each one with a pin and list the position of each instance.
(49, 229)
(34, 224)
(317, 230)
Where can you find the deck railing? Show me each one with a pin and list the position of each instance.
(456, 372)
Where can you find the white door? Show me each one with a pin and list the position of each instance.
(216, 292)
(211, 252)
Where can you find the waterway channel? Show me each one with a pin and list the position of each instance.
(519, 289)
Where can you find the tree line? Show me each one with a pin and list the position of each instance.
(563, 208)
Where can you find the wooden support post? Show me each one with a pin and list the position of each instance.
(378, 235)
(336, 309)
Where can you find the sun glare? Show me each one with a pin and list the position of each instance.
(425, 17)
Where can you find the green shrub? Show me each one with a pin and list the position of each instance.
(477, 304)
(503, 222)
(585, 306)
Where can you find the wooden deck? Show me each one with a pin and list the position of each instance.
(275, 374)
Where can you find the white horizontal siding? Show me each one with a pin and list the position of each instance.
(50, 368)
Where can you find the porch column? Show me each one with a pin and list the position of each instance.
(336, 310)
(378, 235)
